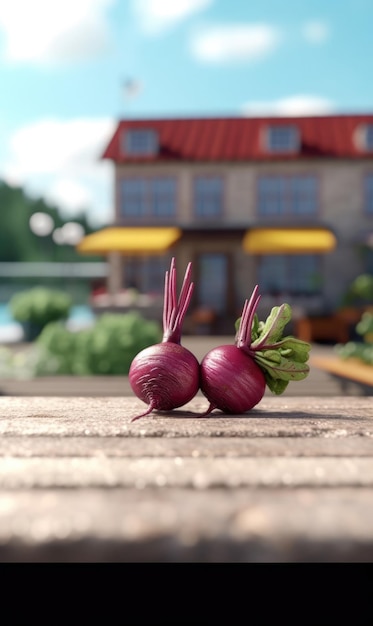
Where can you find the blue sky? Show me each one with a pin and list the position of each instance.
(64, 66)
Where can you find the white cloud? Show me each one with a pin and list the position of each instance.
(60, 161)
(50, 33)
(235, 42)
(156, 16)
(300, 104)
(72, 194)
(315, 31)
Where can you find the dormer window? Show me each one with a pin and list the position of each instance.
(369, 137)
(140, 142)
(363, 137)
(281, 139)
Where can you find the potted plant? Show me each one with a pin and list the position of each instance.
(37, 307)
(357, 299)
(360, 291)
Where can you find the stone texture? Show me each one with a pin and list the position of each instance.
(291, 480)
(204, 473)
(195, 447)
(272, 417)
(165, 525)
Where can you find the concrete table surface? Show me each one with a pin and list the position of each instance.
(291, 480)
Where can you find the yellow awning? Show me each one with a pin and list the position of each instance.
(288, 241)
(129, 240)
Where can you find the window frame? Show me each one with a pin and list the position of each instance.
(369, 137)
(291, 146)
(149, 200)
(140, 142)
(147, 273)
(363, 137)
(368, 194)
(294, 266)
(207, 196)
(290, 200)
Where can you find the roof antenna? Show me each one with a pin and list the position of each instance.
(131, 88)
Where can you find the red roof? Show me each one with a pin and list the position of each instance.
(239, 138)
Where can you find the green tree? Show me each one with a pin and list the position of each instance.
(18, 242)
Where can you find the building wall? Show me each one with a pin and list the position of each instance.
(341, 204)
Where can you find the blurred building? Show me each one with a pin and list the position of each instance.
(286, 203)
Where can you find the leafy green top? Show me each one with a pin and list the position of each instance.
(282, 359)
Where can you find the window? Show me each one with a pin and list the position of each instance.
(368, 202)
(147, 274)
(208, 196)
(369, 137)
(133, 198)
(290, 274)
(213, 281)
(364, 137)
(368, 261)
(282, 139)
(163, 192)
(148, 197)
(140, 142)
(287, 196)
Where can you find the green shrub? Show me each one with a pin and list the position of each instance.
(365, 326)
(37, 307)
(363, 349)
(107, 348)
(360, 290)
(115, 340)
(57, 348)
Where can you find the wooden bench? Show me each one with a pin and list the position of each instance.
(347, 371)
(326, 327)
(336, 327)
